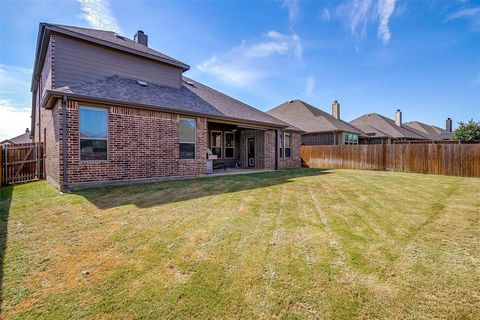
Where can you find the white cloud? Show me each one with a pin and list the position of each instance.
(359, 14)
(470, 14)
(13, 120)
(385, 11)
(280, 44)
(15, 100)
(98, 15)
(326, 14)
(310, 85)
(233, 74)
(246, 64)
(293, 9)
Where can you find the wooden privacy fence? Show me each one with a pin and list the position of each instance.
(21, 163)
(444, 159)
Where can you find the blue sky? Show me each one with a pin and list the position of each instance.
(373, 56)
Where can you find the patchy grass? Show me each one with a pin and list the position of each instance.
(289, 244)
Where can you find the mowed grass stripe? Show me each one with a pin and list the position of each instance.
(287, 244)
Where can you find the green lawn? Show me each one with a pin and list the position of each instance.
(289, 244)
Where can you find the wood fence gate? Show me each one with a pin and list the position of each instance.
(21, 163)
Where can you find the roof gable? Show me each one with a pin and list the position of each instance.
(385, 127)
(432, 132)
(310, 118)
(102, 37)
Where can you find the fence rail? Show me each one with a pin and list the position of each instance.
(21, 163)
(443, 159)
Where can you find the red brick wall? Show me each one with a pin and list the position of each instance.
(142, 145)
(294, 161)
(51, 122)
(264, 148)
(269, 147)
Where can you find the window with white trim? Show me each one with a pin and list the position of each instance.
(93, 123)
(216, 143)
(229, 145)
(288, 144)
(187, 137)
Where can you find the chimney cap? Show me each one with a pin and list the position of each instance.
(398, 110)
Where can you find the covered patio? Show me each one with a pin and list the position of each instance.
(236, 148)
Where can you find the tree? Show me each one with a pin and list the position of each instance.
(467, 131)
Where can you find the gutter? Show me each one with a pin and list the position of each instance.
(64, 140)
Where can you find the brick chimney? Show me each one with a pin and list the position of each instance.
(448, 125)
(141, 38)
(398, 118)
(336, 109)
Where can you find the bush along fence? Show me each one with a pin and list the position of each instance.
(21, 163)
(443, 159)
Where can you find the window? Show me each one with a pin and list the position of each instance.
(280, 137)
(229, 145)
(216, 143)
(187, 135)
(93, 133)
(288, 144)
(350, 138)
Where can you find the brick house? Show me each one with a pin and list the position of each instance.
(110, 109)
(320, 127)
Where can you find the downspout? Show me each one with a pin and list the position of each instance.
(39, 110)
(276, 149)
(64, 139)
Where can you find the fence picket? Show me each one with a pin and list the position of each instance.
(21, 163)
(445, 159)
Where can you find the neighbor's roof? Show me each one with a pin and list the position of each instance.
(376, 125)
(191, 98)
(430, 131)
(446, 135)
(310, 119)
(23, 138)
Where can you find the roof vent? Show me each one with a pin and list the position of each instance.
(291, 101)
(142, 83)
(190, 83)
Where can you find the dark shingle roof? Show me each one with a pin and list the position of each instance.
(376, 125)
(23, 138)
(430, 131)
(310, 119)
(228, 105)
(118, 40)
(446, 135)
(192, 98)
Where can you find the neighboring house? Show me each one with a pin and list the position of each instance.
(23, 138)
(321, 128)
(382, 130)
(112, 109)
(429, 131)
(448, 133)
